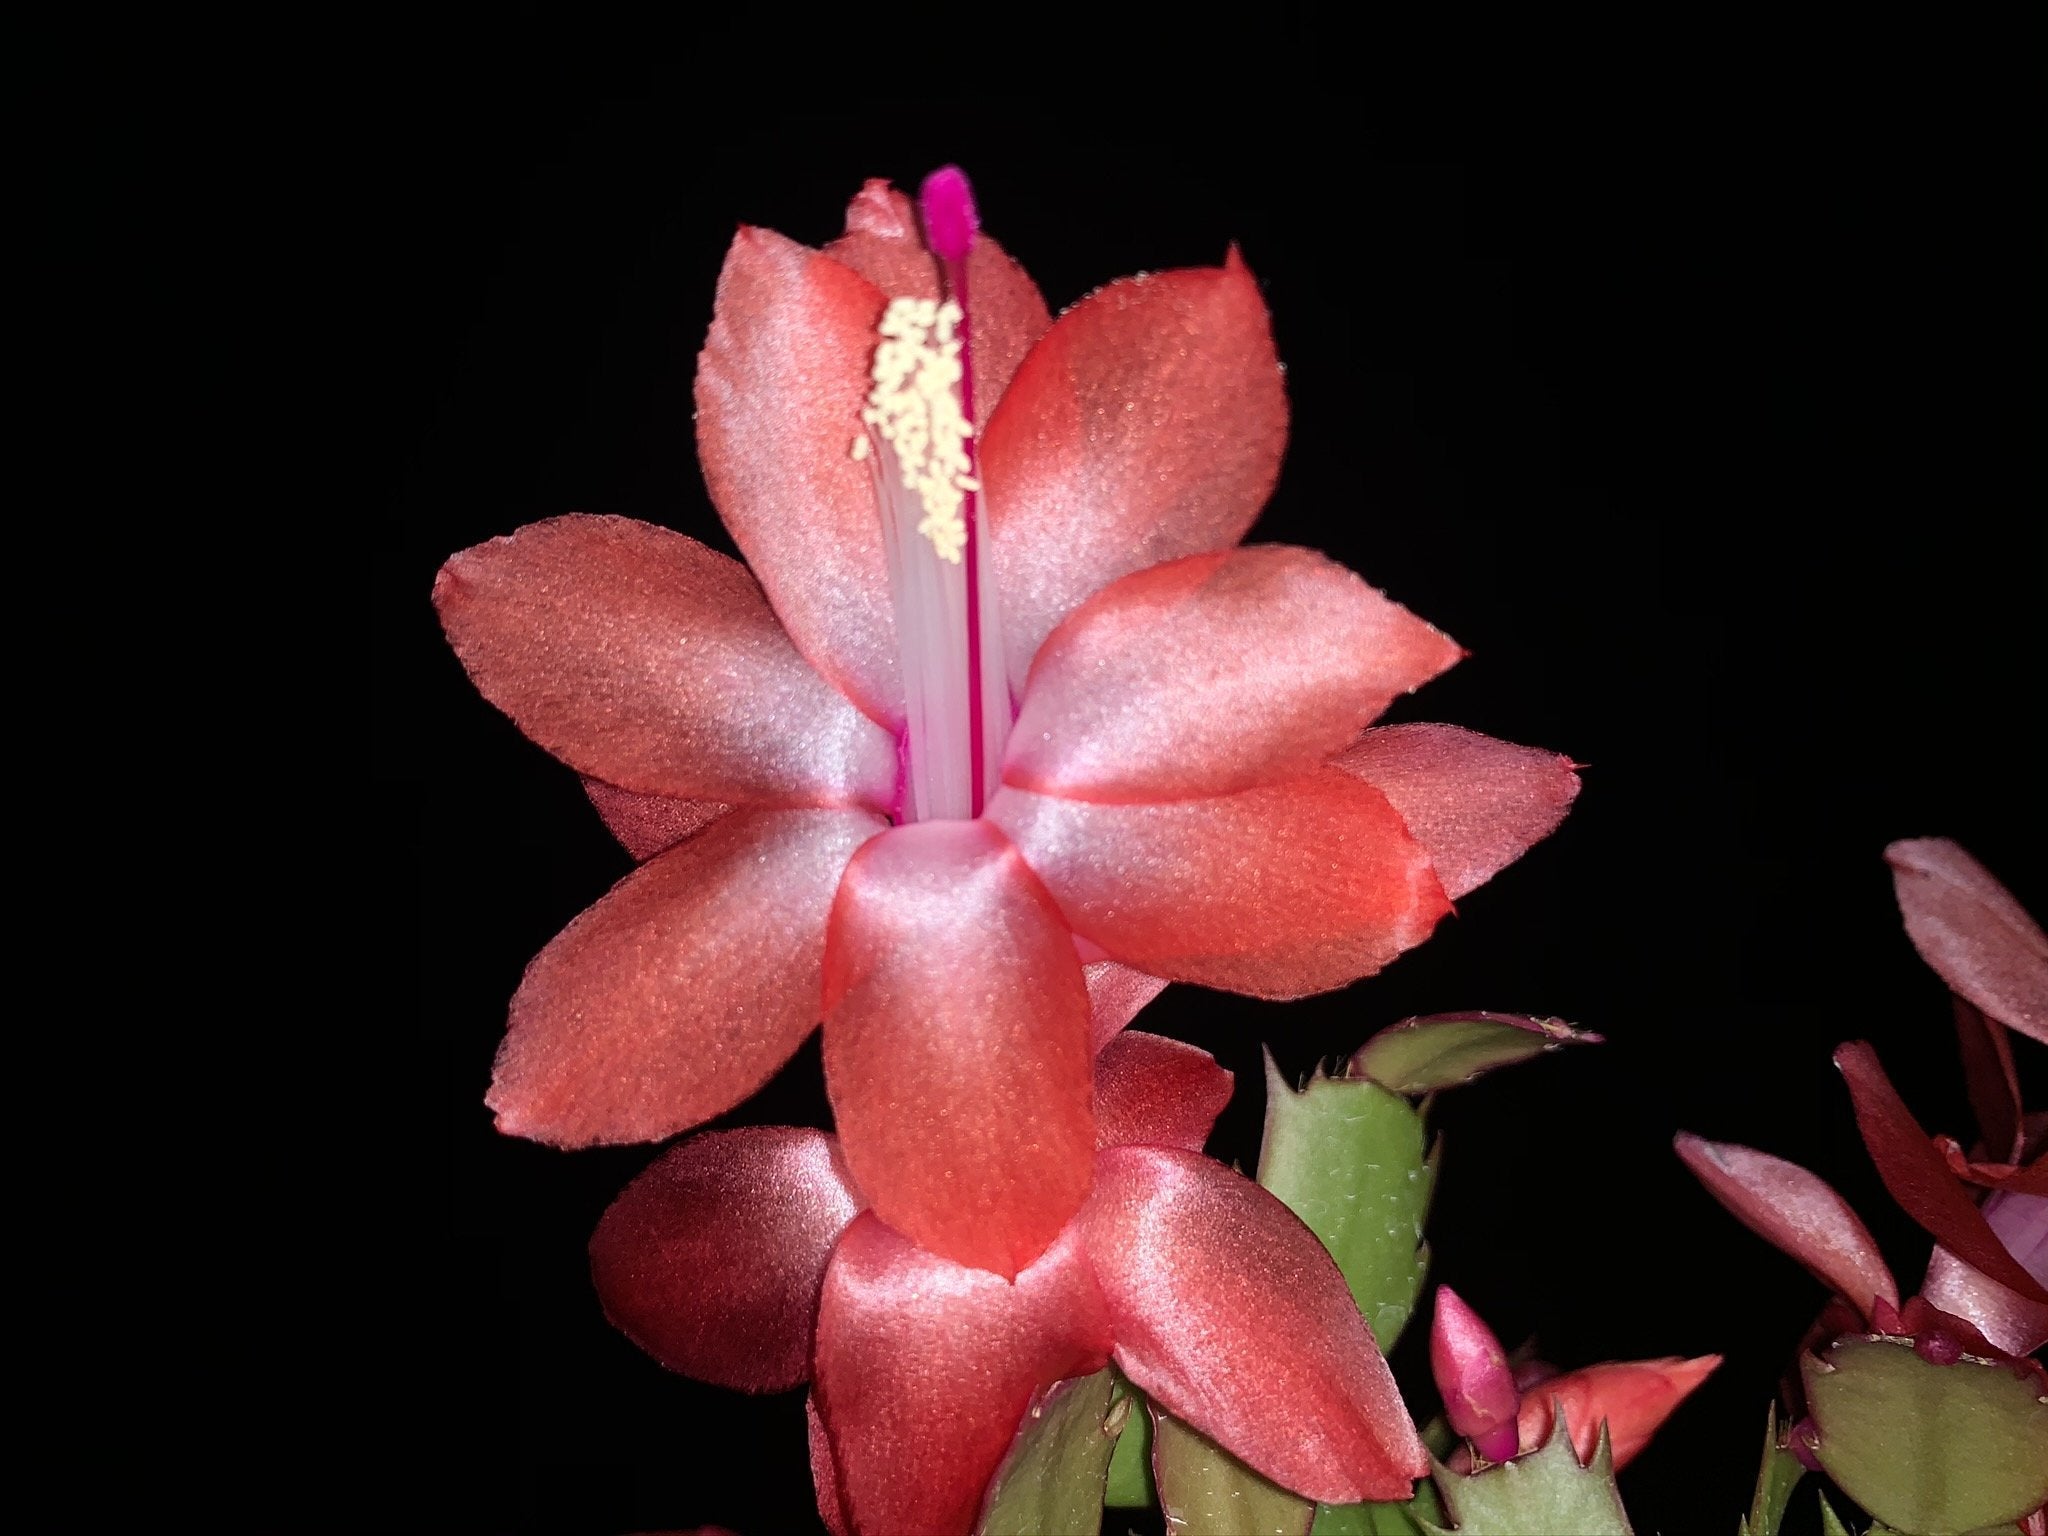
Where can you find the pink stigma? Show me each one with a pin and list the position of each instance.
(950, 221)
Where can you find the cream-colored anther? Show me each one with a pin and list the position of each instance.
(914, 407)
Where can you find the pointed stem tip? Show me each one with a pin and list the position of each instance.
(950, 219)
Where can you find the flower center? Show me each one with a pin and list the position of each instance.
(918, 440)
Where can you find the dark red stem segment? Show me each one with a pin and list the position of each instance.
(950, 225)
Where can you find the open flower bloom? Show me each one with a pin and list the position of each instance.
(1002, 731)
(746, 1258)
(1987, 1281)
(1990, 1265)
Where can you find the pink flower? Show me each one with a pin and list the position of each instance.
(1988, 1276)
(746, 1258)
(969, 812)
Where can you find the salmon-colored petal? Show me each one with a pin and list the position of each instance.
(1147, 424)
(640, 657)
(649, 824)
(2008, 1320)
(1279, 891)
(1796, 1212)
(780, 386)
(925, 1367)
(1475, 803)
(1214, 673)
(681, 991)
(1968, 927)
(1116, 995)
(1232, 1316)
(713, 1258)
(1634, 1397)
(1919, 1179)
(1152, 1091)
(956, 1044)
(1005, 313)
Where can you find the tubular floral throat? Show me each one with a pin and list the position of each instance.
(918, 440)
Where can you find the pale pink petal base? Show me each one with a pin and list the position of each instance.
(683, 990)
(1233, 1317)
(713, 1258)
(924, 1369)
(956, 1044)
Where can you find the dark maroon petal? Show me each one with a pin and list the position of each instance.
(1919, 1179)
(1796, 1212)
(712, 1259)
(683, 990)
(1475, 803)
(1233, 1317)
(925, 1368)
(956, 1044)
(1992, 1078)
(1153, 1091)
(649, 824)
(640, 657)
(1968, 927)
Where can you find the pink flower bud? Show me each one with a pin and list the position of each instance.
(1472, 1373)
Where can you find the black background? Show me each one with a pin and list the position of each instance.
(1715, 438)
